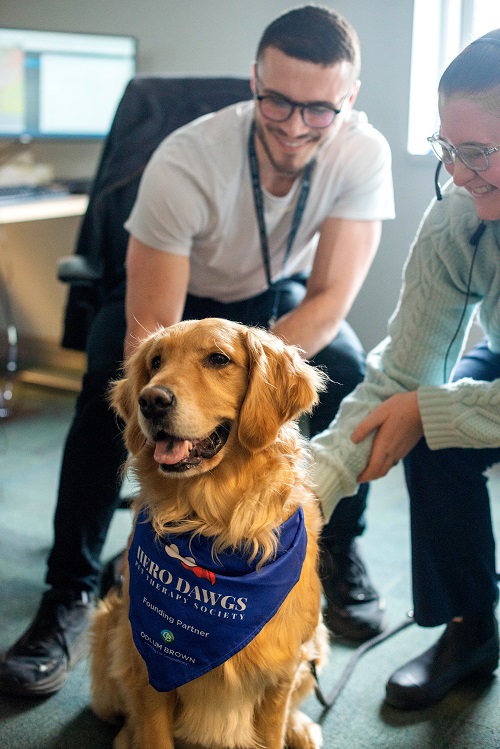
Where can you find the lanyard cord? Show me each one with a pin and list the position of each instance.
(259, 210)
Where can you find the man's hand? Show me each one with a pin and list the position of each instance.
(399, 428)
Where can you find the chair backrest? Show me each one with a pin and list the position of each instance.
(150, 109)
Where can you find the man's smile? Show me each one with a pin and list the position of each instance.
(288, 142)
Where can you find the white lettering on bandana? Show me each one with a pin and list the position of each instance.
(189, 612)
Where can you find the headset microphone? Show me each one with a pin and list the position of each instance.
(437, 187)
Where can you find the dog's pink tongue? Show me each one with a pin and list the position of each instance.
(169, 452)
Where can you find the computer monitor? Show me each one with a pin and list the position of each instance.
(61, 85)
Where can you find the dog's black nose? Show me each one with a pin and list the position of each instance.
(155, 401)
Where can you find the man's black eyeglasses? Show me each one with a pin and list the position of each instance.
(278, 108)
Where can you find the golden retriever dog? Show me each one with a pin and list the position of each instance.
(211, 640)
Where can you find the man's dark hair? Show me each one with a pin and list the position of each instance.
(475, 72)
(315, 34)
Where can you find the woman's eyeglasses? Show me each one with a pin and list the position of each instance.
(473, 157)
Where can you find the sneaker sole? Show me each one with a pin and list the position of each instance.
(40, 689)
(53, 683)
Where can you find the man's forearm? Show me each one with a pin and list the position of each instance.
(311, 326)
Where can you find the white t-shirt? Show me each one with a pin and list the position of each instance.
(196, 199)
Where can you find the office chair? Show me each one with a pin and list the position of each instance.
(8, 349)
(151, 108)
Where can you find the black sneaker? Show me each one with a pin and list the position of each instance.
(39, 662)
(353, 608)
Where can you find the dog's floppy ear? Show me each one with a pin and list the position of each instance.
(281, 386)
(123, 397)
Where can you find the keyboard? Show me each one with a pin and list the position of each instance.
(17, 193)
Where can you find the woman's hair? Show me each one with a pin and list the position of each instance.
(475, 72)
(315, 34)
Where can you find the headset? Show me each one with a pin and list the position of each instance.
(477, 234)
(474, 241)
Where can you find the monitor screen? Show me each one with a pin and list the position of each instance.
(61, 85)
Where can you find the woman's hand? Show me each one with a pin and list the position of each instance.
(399, 428)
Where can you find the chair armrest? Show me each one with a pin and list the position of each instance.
(78, 271)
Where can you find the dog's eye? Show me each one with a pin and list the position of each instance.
(156, 362)
(217, 359)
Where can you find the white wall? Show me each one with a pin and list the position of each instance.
(220, 37)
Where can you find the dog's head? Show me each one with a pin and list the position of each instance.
(197, 388)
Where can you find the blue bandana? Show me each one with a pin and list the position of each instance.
(190, 613)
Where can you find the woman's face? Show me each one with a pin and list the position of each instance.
(470, 122)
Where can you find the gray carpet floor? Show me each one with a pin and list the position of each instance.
(31, 443)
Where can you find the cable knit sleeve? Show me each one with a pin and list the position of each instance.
(463, 414)
(426, 337)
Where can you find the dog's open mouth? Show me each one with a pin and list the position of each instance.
(180, 454)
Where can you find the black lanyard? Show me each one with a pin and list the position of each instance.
(259, 209)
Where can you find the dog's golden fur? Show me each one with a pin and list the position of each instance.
(218, 372)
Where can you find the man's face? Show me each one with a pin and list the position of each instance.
(288, 146)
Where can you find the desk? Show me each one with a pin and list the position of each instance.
(43, 208)
(12, 213)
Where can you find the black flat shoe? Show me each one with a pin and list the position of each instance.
(464, 649)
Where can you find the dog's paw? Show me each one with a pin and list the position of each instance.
(302, 732)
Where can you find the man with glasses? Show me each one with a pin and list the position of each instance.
(268, 213)
(271, 214)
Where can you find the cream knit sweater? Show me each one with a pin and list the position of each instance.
(436, 276)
